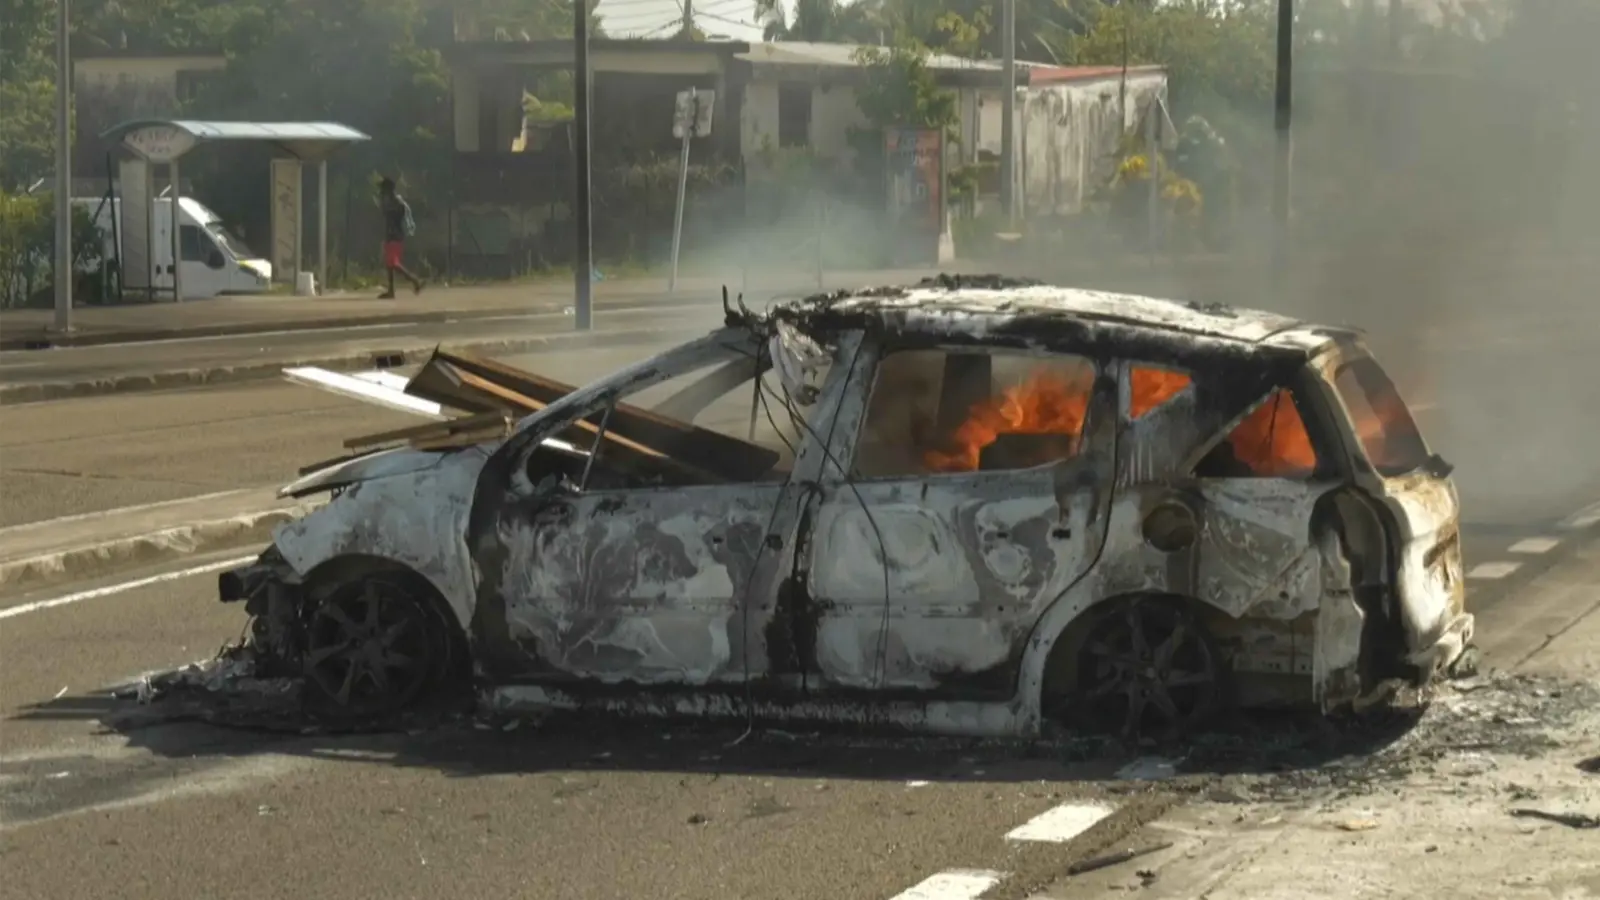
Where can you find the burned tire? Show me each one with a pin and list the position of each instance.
(374, 646)
(1146, 668)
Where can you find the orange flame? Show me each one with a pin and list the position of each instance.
(1272, 440)
(1153, 387)
(1044, 403)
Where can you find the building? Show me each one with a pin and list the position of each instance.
(795, 95)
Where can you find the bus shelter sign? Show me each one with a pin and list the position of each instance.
(159, 143)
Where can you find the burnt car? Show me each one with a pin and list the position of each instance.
(972, 506)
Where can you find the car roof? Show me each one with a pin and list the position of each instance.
(990, 307)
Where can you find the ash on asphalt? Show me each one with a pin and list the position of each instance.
(1255, 759)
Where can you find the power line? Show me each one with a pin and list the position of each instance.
(726, 6)
(726, 20)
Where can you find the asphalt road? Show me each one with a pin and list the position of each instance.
(91, 363)
(96, 453)
(562, 810)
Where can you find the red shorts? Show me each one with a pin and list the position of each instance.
(393, 253)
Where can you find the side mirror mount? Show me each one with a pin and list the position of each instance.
(215, 259)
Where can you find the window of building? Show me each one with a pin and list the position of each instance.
(794, 115)
(937, 411)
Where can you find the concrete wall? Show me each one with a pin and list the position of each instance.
(1066, 134)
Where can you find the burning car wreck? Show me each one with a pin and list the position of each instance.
(972, 506)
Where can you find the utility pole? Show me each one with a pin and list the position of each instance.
(688, 18)
(583, 262)
(1008, 109)
(1283, 157)
(63, 272)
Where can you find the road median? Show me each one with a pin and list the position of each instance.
(42, 391)
(95, 545)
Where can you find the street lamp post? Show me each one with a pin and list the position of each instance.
(1283, 157)
(63, 197)
(1008, 109)
(583, 262)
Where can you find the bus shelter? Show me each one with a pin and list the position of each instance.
(164, 142)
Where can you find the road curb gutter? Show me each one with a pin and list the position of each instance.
(108, 557)
(40, 392)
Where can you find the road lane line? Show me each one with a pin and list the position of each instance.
(1493, 569)
(956, 884)
(1535, 545)
(1060, 824)
(110, 589)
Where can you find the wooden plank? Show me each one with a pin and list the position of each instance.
(533, 405)
(732, 458)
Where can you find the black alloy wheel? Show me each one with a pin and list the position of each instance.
(1147, 669)
(371, 649)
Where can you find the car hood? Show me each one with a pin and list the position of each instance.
(382, 464)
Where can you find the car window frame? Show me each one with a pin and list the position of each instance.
(846, 447)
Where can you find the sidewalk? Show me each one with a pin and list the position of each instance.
(97, 325)
(85, 546)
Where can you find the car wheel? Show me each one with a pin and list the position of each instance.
(1147, 667)
(372, 648)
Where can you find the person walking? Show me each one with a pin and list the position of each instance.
(397, 226)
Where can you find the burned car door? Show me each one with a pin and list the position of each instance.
(628, 560)
(976, 493)
(1223, 476)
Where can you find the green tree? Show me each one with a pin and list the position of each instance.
(27, 92)
(972, 27)
(821, 21)
(1219, 61)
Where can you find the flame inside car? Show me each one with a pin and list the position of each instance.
(1271, 442)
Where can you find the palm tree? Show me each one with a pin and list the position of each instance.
(820, 21)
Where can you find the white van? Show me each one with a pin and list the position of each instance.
(214, 261)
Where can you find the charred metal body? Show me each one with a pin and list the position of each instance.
(997, 503)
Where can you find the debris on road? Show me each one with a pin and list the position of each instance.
(1118, 858)
(1571, 820)
(1358, 825)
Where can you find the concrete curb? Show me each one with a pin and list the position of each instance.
(47, 340)
(131, 551)
(39, 392)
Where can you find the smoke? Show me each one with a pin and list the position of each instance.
(1445, 201)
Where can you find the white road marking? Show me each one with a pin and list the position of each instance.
(110, 589)
(956, 884)
(1535, 545)
(1493, 569)
(1061, 824)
